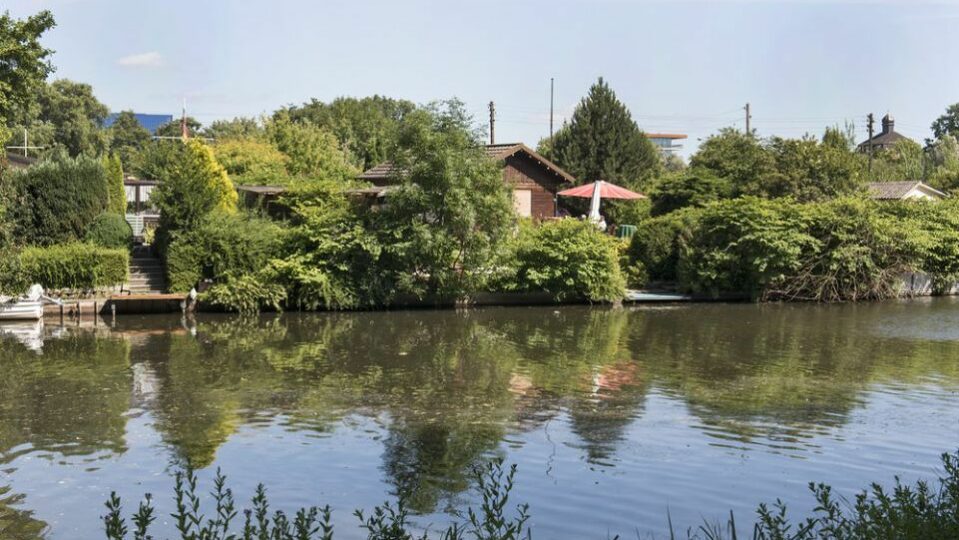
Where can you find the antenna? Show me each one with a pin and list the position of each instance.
(551, 109)
(492, 123)
(184, 132)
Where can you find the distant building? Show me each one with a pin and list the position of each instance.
(534, 179)
(901, 191)
(885, 139)
(150, 121)
(667, 142)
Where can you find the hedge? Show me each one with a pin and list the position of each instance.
(110, 230)
(223, 244)
(75, 266)
(57, 200)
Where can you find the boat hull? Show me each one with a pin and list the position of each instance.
(21, 311)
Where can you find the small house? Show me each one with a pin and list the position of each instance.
(901, 191)
(533, 179)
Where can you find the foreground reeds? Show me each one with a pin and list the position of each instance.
(919, 511)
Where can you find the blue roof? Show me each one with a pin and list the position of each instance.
(149, 121)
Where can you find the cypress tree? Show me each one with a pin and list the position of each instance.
(602, 142)
(116, 193)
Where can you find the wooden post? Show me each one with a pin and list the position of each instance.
(79, 313)
(61, 312)
(113, 313)
(96, 313)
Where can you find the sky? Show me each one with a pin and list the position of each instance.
(679, 65)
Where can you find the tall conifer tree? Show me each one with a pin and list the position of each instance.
(602, 142)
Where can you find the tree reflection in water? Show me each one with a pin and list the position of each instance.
(450, 387)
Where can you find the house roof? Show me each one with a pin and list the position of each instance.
(666, 136)
(883, 139)
(497, 152)
(899, 190)
(262, 190)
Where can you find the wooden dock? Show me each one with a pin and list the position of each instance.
(126, 304)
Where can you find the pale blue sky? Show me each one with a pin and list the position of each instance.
(680, 66)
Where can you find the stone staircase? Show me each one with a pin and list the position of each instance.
(146, 272)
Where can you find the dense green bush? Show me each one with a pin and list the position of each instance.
(569, 259)
(744, 245)
(56, 200)
(687, 188)
(935, 225)
(246, 293)
(858, 253)
(658, 242)
(223, 244)
(75, 266)
(110, 230)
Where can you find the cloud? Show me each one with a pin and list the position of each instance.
(147, 59)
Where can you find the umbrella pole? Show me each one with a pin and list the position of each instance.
(594, 202)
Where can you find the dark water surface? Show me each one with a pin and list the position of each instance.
(612, 416)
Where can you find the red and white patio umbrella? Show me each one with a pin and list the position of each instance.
(597, 190)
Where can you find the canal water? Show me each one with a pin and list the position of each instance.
(614, 418)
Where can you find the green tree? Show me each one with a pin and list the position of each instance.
(24, 63)
(240, 127)
(194, 185)
(450, 210)
(113, 170)
(947, 123)
(366, 127)
(252, 162)
(737, 157)
(602, 142)
(687, 188)
(66, 114)
(944, 164)
(904, 161)
(57, 199)
(808, 170)
(313, 151)
(174, 128)
(128, 136)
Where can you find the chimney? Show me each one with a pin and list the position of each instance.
(888, 123)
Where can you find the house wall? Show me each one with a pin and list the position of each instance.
(521, 172)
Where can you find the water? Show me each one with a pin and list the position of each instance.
(612, 416)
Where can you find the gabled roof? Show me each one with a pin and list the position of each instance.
(497, 152)
(888, 191)
(883, 139)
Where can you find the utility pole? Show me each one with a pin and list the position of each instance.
(26, 145)
(492, 123)
(870, 125)
(749, 118)
(550, 109)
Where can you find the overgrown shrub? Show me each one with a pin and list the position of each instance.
(935, 226)
(858, 253)
(744, 245)
(77, 266)
(56, 200)
(223, 244)
(110, 230)
(246, 293)
(570, 259)
(658, 242)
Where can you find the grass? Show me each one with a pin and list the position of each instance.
(918, 511)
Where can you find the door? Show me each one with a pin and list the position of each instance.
(523, 202)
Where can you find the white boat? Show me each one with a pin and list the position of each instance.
(28, 307)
